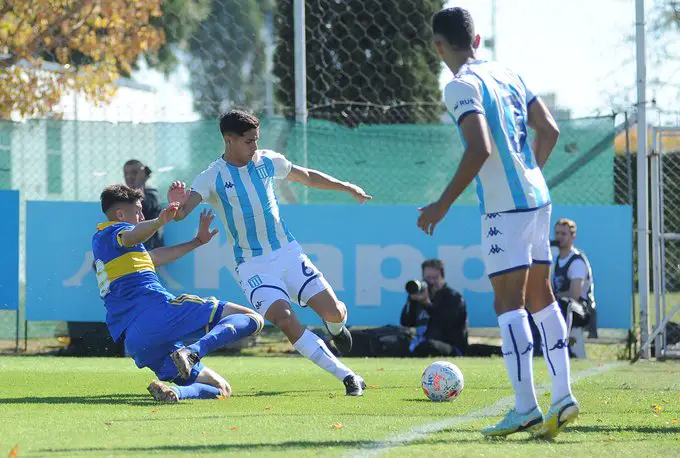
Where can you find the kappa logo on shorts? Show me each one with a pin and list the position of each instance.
(258, 305)
(492, 215)
(255, 281)
(493, 232)
(495, 249)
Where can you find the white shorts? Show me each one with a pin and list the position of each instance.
(516, 240)
(286, 273)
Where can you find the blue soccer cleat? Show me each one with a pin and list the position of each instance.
(562, 412)
(515, 422)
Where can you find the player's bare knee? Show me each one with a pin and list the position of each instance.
(280, 314)
(337, 314)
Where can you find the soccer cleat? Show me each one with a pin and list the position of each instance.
(515, 422)
(161, 392)
(342, 341)
(184, 360)
(354, 385)
(562, 412)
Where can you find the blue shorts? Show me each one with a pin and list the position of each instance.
(160, 330)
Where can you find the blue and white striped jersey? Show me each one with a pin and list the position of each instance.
(245, 199)
(510, 179)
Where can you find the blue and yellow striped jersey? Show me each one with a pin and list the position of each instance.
(127, 278)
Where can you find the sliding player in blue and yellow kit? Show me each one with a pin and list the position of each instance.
(153, 322)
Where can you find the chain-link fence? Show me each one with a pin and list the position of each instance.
(396, 163)
(665, 171)
(373, 98)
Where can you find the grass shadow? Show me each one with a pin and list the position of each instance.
(216, 448)
(103, 399)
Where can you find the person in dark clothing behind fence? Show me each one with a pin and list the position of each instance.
(438, 314)
(136, 175)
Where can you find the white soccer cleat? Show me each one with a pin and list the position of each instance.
(161, 392)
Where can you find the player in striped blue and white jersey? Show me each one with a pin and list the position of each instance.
(272, 268)
(494, 110)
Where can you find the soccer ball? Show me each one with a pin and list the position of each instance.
(442, 381)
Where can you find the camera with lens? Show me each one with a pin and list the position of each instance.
(555, 243)
(416, 286)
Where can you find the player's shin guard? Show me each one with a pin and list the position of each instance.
(313, 348)
(518, 351)
(230, 329)
(196, 391)
(336, 328)
(553, 329)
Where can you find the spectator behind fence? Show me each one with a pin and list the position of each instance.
(573, 274)
(572, 282)
(438, 314)
(136, 176)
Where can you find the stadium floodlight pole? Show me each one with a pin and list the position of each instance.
(301, 76)
(642, 176)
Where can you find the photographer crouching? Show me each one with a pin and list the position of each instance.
(437, 313)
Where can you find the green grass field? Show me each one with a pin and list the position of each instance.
(284, 406)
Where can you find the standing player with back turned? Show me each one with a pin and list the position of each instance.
(493, 109)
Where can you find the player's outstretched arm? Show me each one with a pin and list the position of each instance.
(144, 230)
(476, 134)
(319, 180)
(165, 255)
(188, 199)
(547, 132)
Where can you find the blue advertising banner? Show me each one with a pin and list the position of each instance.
(9, 247)
(366, 252)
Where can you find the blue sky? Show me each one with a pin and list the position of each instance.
(579, 49)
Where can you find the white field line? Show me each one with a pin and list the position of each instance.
(422, 431)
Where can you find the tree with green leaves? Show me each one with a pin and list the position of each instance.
(179, 21)
(227, 57)
(368, 61)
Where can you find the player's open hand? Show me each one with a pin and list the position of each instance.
(358, 193)
(168, 213)
(204, 233)
(430, 217)
(178, 192)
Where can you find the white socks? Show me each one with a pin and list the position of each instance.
(518, 350)
(555, 341)
(312, 347)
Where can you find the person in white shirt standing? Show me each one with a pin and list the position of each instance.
(493, 109)
(272, 269)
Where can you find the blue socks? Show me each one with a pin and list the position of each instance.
(230, 329)
(196, 391)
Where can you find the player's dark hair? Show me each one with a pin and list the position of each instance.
(434, 264)
(456, 26)
(147, 170)
(119, 194)
(237, 122)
